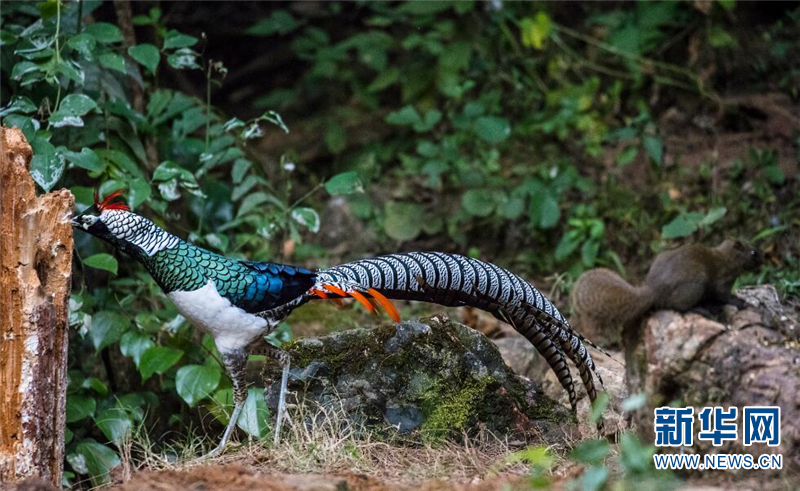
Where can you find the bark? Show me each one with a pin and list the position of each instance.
(35, 277)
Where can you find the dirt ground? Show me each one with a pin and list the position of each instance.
(237, 477)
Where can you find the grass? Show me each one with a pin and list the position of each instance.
(321, 440)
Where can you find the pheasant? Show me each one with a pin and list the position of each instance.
(239, 302)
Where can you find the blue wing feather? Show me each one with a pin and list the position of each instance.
(274, 285)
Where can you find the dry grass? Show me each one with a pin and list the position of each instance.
(321, 440)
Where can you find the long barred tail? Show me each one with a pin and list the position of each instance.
(454, 280)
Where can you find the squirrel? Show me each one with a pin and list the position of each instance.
(679, 279)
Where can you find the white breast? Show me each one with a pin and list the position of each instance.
(231, 327)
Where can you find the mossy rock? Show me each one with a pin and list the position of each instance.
(430, 379)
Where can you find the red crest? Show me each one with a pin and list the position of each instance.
(107, 203)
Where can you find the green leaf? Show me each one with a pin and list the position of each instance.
(183, 59)
(47, 169)
(335, 138)
(774, 173)
(251, 201)
(18, 104)
(567, 245)
(594, 478)
(245, 187)
(654, 148)
(175, 39)
(23, 68)
(73, 71)
(424, 8)
(635, 456)
(95, 459)
(718, 37)
(113, 61)
(140, 192)
(307, 217)
(279, 22)
(599, 406)
(634, 402)
(406, 116)
(103, 261)
(535, 31)
(712, 216)
(536, 457)
(240, 168)
(116, 424)
(196, 382)
(513, 208)
(133, 344)
(86, 159)
(591, 451)
(106, 328)
(627, 156)
(589, 253)
(683, 225)
(403, 220)
(121, 160)
(147, 55)
(431, 118)
(727, 4)
(217, 241)
(79, 407)
(159, 101)
(96, 385)
(71, 109)
(134, 402)
(158, 359)
(492, 129)
(84, 44)
(255, 414)
(385, 79)
(479, 202)
(544, 211)
(104, 32)
(168, 170)
(221, 405)
(344, 183)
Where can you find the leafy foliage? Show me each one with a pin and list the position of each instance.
(510, 128)
(180, 162)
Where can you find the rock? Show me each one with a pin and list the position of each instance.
(433, 379)
(523, 359)
(700, 362)
(520, 355)
(769, 310)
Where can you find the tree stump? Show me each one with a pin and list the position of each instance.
(35, 277)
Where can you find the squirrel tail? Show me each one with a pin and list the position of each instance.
(603, 298)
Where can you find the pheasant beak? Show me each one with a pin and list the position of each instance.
(84, 219)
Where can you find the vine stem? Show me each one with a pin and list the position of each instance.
(208, 104)
(58, 54)
(642, 59)
(305, 196)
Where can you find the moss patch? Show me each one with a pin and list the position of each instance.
(432, 379)
(448, 413)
